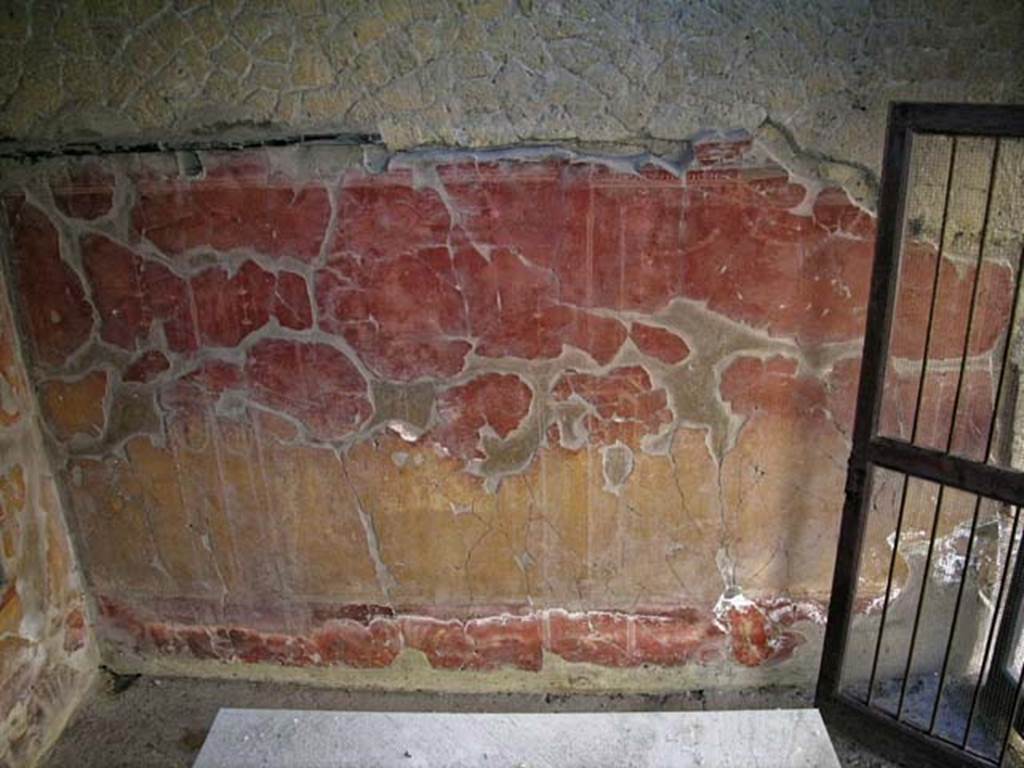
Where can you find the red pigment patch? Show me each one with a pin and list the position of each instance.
(841, 392)
(659, 343)
(600, 238)
(12, 375)
(834, 210)
(399, 314)
(674, 640)
(751, 385)
(935, 418)
(146, 367)
(382, 217)
(202, 386)
(754, 639)
(131, 293)
(599, 637)
(637, 244)
(498, 401)
(477, 644)
(229, 644)
(315, 383)
(115, 274)
(721, 151)
(956, 283)
(514, 311)
(771, 268)
(291, 304)
(591, 638)
(75, 631)
(59, 317)
(168, 300)
(366, 646)
(234, 206)
(896, 418)
(506, 641)
(253, 647)
(776, 191)
(626, 403)
(229, 308)
(623, 640)
(749, 631)
(83, 191)
(537, 210)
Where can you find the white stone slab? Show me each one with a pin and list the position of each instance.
(257, 738)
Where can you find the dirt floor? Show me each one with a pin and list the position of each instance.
(161, 722)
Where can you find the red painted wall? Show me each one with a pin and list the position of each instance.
(480, 407)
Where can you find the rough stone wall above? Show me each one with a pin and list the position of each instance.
(497, 72)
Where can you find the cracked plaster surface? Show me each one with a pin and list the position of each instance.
(502, 72)
(48, 653)
(508, 543)
(690, 418)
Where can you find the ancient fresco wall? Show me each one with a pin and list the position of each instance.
(47, 652)
(485, 411)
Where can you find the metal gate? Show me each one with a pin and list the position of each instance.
(923, 650)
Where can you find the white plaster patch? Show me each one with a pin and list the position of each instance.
(404, 430)
(732, 599)
(616, 466)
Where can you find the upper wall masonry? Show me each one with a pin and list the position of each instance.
(500, 72)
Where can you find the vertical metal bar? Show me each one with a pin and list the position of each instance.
(888, 589)
(956, 615)
(915, 419)
(1005, 357)
(935, 293)
(952, 427)
(993, 624)
(920, 599)
(906, 120)
(988, 439)
(883, 277)
(974, 294)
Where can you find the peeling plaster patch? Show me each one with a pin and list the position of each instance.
(616, 465)
(509, 72)
(458, 510)
(949, 563)
(809, 167)
(405, 431)
(570, 419)
(671, 157)
(661, 443)
(876, 604)
(525, 561)
(726, 565)
(385, 580)
(732, 599)
(509, 456)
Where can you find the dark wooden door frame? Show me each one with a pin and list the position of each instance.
(869, 450)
